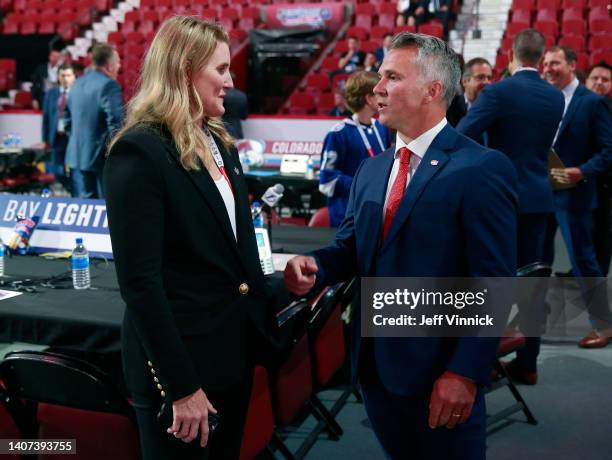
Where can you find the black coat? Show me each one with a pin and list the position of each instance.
(183, 276)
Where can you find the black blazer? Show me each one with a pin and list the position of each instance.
(191, 291)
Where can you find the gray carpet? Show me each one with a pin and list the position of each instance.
(572, 402)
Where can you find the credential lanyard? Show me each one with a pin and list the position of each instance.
(364, 138)
(217, 156)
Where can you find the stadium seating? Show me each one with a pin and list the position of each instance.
(584, 27)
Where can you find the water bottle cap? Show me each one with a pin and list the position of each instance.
(79, 241)
(256, 203)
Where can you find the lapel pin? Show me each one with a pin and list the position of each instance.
(236, 170)
(434, 162)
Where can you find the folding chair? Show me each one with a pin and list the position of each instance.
(74, 399)
(8, 424)
(509, 345)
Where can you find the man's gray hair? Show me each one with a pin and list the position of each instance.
(528, 47)
(436, 60)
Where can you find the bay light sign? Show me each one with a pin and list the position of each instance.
(60, 222)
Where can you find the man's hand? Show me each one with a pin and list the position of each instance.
(452, 399)
(419, 10)
(40, 145)
(444, 8)
(300, 274)
(190, 417)
(567, 175)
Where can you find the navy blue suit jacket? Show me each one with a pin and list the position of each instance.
(457, 219)
(521, 115)
(50, 115)
(585, 141)
(93, 113)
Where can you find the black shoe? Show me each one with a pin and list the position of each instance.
(568, 274)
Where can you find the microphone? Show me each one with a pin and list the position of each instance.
(273, 195)
(271, 198)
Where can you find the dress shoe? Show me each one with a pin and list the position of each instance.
(596, 339)
(567, 274)
(520, 375)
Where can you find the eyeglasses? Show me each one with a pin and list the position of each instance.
(482, 77)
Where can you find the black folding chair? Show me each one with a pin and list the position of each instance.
(59, 384)
(507, 346)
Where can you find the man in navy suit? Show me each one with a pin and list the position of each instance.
(584, 144)
(520, 115)
(435, 205)
(53, 132)
(384, 49)
(93, 113)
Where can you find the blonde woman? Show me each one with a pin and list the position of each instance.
(185, 250)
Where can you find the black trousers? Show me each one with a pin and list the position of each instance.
(224, 444)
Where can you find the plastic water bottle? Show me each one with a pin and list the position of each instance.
(257, 215)
(80, 266)
(310, 169)
(1, 258)
(46, 193)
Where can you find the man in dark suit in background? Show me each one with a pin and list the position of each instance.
(584, 144)
(93, 113)
(599, 80)
(53, 132)
(384, 49)
(236, 107)
(423, 208)
(520, 115)
(45, 78)
(477, 74)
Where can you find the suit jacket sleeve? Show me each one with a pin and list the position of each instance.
(481, 115)
(490, 221)
(135, 204)
(112, 106)
(38, 82)
(67, 118)
(46, 117)
(601, 139)
(338, 261)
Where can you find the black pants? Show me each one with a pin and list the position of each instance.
(224, 444)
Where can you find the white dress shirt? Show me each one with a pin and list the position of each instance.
(568, 94)
(418, 147)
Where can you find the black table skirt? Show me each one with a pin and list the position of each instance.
(90, 320)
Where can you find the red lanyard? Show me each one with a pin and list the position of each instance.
(217, 156)
(364, 138)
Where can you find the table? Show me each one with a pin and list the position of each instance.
(90, 320)
(258, 181)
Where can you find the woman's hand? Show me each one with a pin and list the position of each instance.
(190, 417)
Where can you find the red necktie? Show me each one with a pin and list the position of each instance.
(61, 104)
(397, 190)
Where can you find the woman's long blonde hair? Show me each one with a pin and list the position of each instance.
(165, 95)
